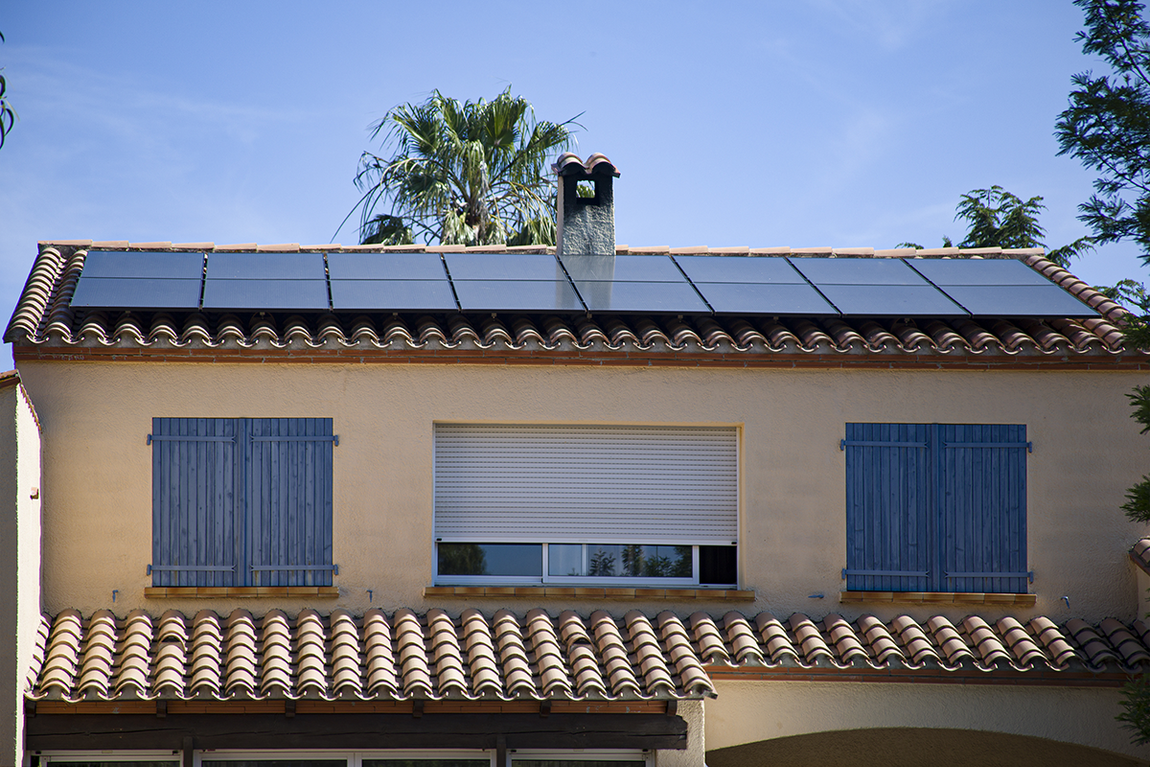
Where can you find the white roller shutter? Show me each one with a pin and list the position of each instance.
(586, 484)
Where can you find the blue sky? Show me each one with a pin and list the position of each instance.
(829, 122)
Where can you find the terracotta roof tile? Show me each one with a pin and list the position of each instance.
(43, 316)
(1140, 554)
(537, 656)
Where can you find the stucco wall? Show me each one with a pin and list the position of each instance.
(95, 417)
(19, 562)
(748, 711)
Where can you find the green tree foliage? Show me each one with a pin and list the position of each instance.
(7, 113)
(1107, 124)
(462, 559)
(998, 219)
(469, 173)
(1136, 713)
(1136, 693)
(1137, 506)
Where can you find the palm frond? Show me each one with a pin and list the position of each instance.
(467, 172)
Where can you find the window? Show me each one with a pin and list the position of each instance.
(241, 501)
(936, 507)
(602, 505)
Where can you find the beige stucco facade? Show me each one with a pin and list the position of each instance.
(19, 559)
(96, 417)
(746, 712)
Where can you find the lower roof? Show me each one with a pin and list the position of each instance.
(537, 656)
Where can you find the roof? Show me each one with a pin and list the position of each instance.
(43, 320)
(1140, 554)
(538, 656)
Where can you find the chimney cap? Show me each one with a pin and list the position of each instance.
(569, 164)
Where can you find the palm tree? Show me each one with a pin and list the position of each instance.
(7, 113)
(470, 173)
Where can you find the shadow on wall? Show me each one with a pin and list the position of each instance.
(912, 747)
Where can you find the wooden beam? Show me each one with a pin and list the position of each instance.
(354, 731)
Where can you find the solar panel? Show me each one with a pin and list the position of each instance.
(385, 266)
(740, 269)
(258, 266)
(1047, 300)
(982, 271)
(108, 263)
(483, 266)
(517, 295)
(751, 298)
(137, 293)
(857, 271)
(270, 294)
(620, 296)
(891, 300)
(622, 268)
(392, 295)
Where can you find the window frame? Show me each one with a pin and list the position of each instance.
(547, 538)
(351, 758)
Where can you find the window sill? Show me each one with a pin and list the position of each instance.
(249, 592)
(937, 598)
(578, 592)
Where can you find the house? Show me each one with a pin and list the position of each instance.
(605, 506)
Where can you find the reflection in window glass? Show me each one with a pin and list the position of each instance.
(565, 559)
(577, 763)
(274, 763)
(426, 763)
(491, 559)
(115, 764)
(635, 561)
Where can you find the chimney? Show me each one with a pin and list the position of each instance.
(585, 225)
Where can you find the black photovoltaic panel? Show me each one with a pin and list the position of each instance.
(982, 271)
(857, 271)
(392, 295)
(517, 296)
(589, 267)
(118, 263)
(641, 297)
(498, 266)
(385, 266)
(137, 293)
(740, 270)
(621, 268)
(891, 300)
(259, 266)
(535, 282)
(1047, 300)
(752, 298)
(266, 294)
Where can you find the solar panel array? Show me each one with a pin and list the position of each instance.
(503, 282)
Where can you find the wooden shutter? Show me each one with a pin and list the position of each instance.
(194, 502)
(593, 484)
(983, 502)
(890, 525)
(290, 501)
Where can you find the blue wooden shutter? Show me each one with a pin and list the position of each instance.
(982, 496)
(194, 502)
(890, 524)
(290, 502)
